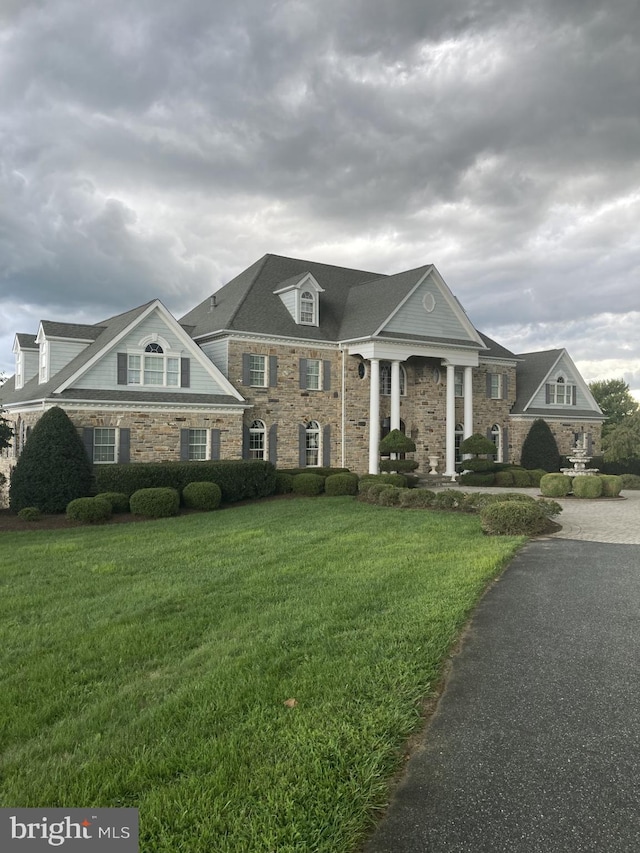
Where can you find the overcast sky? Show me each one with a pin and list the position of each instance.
(154, 148)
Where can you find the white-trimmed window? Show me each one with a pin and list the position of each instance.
(308, 308)
(495, 386)
(458, 437)
(495, 434)
(314, 374)
(19, 370)
(44, 364)
(154, 367)
(258, 370)
(312, 444)
(257, 440)
(458, 381)
(561, 392)
(385, 379)
(104, 444)
(198, 444)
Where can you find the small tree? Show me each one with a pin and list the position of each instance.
(396, 442)
(478, 445)
(622, 442)
(540, 449)
(53, 468)
(615, 399)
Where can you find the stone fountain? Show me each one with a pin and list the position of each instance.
(580, 461)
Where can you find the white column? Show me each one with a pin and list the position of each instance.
(395, 395)
(468, 402)
(450, 430)
(374, 415)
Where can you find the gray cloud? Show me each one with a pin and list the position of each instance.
(155, 149)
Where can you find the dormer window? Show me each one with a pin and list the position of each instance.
(308, 308)
(44, 363)
(153, 364)
(300, 295)
(560, 392)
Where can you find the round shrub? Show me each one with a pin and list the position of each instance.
(341, 484)
(446, 500)
(284, 483)
(30, 513)
(515, 496)
(118, 500)
(389, 496)
(89, 510)
(479, 466)
(611, 485)
(202, 495)
(587, 487)
(550, 508)
(308, 485)
(398, 480)
(155, 503)
(504, 478)
(473, 479)
(421, 498)
(372, 491)
(513, 518)
(521, 478)
(400, 466)
(555, 485)
(535, 475)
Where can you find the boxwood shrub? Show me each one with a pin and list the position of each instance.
(611, 485)
(30, 513)
(513, 518)
(341, 484)
(202, 495)
(587, 487)
(89, 510)
(118, 500)
(521, 478)
(473, 479)
(417, 498)
(155, 502)
(308, 484)
(555, 485)
(389, 496)
(535, 475)
(238, 479)
(504, 478)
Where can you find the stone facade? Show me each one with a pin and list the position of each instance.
(564, 431)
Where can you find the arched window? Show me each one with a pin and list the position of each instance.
(385, 379)
(308, 308)
(458, 437)
(312, 444)
(153, 368)
(154, 347)
(257, 443)
(496, 437)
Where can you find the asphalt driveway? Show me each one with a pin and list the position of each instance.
(535, 744)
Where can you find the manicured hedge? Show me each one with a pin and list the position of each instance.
(587, 487)
(341, 484)
(118, 500)
(513, 518)
(238, 479)
(611, 485)
(473, 479)
(205, 496)
(284, 483)
(555, 485)
(89, 510)
(30, 513)
(308, 485)
(155, 502)
(323, 472)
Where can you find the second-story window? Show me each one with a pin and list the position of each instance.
(153, 368)
(307, 308)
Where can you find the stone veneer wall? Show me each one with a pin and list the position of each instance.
(563, 430)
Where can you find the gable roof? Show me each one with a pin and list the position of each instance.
(496, 350)
(79, 331)
(533, 371)
(26, 341)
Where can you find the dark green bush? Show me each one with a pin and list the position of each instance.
(396, 441)
(399, 466)
(389, 496)
(30, 513)
(422, 498)
(513, 518)
(308, 485)
(341, 484)
(372, 490)
(89, 510)
(611, 485)
(202, 495)
(479, 445)
(479, 466)
(398, 480)
(555, 485)
(630, 481)
(521, 478)
(118, 500)
(447, 499)
(159, 502)
(284, 483)
(473, 479)
(549, 508)
(587, 487)
(535, 475)
(504, 478)
(53, 467)
(238, 479)
(540, 449)
(323, 472)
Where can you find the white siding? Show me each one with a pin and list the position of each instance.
(565, 369)
(218, 352)
(61, 353)
(289, 299)
(414, 319)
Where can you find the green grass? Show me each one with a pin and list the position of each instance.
(147, 665)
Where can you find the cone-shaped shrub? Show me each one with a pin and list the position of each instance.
(53, 468)
(540, 449)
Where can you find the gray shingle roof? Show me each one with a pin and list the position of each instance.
(495, 350)
(530, 373)
(142, 397)
(26, 341)
(71, 330)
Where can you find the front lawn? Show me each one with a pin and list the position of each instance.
(148, 665)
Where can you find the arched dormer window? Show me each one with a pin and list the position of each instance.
(308, 308)
(561, 392)
(301, 297)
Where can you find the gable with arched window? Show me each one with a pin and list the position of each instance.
(561, 392)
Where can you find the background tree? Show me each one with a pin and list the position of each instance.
(540, 449)
(622, 440)
(615, 400)
(53, 468)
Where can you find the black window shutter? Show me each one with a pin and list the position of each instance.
(303, 374)
(246, 375)
(245, 441)
(326, 377)
(185, 372)
(505, 386)
(505, 444)
(489, 385)
(122, 368)
(184, 445)
(273, 371)
(547, 393)
(215, 444)
(326, 446)
(124, 446)
(87, 440)
(302, 445)
(273, 443)
(489, 435)
(574, 396)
